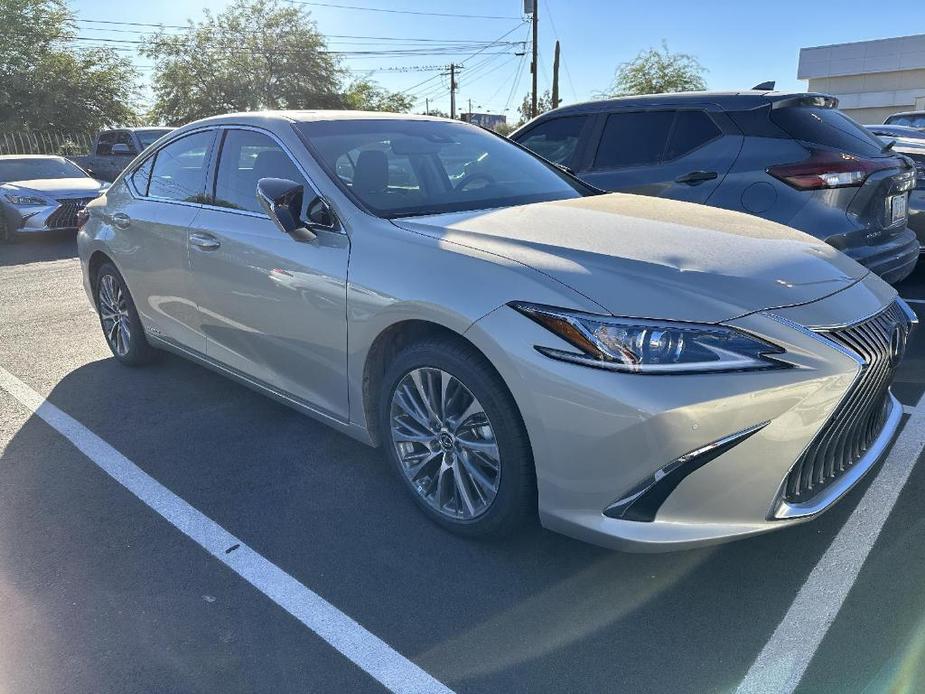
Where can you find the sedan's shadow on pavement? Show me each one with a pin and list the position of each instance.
(477, 615)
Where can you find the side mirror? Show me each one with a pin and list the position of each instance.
(281, 199)
(122, 149)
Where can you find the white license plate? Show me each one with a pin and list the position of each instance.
(897, 208)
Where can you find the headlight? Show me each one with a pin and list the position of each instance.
(650, 347)
(27, 200)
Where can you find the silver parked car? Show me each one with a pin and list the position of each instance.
(41, 193)
(642, 373)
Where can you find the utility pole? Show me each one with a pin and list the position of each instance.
(555, 78)
(535, 66)
(470, 110)
(453, 90)
(427, 106)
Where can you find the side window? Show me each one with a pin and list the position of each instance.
(246, 157)
(556, 139)
(142, 175)
(104, 144)
(633, 139)
(125, 138)
(691, 130)
(179, 171)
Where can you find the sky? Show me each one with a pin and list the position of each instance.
(740, 43)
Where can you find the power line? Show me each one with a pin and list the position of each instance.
(414, 12)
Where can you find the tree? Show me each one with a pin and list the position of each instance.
(656, 71)
(49, 82)
(365, 95)
(543, 104)
(254, 55)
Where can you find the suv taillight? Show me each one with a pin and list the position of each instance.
(826, 169)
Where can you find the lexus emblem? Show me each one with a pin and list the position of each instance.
(897, 345)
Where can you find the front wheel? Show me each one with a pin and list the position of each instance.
(119, 319)
(455, 437)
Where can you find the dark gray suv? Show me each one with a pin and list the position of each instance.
(791, 158)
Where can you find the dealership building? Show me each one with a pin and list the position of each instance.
(871, 79)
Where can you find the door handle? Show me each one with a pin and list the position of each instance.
(696, 177)
(206, 242)
(120, 220)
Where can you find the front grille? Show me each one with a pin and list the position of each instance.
(861, 414)
(65, 217)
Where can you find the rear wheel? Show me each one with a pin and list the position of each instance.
(454, 435)
(119, 319)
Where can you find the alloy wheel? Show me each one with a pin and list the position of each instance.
(114, 315)
(445, 443)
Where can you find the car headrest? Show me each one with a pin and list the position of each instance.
(372, 172)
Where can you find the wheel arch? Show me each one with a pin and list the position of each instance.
(389, 342)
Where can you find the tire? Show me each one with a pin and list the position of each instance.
(441, 361)
(124, 334)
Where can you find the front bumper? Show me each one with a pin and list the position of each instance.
(61, 216)
(596, 434)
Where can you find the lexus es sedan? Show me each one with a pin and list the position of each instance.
(41, 193)
(641, 373)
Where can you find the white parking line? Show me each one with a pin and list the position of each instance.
(783, 661)
(364, 649)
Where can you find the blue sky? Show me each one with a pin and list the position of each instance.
(740, 43)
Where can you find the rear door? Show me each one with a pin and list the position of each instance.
(151, 215)
(675, 153)
(273, 309)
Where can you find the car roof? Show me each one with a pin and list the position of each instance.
(7, 157)
(905, 113)
(732, 101)
(264, 117)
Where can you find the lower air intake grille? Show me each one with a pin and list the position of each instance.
(880, 342)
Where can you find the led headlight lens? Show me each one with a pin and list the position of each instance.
(646, 346)
(26, 200)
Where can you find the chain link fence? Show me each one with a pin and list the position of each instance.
(61, 143)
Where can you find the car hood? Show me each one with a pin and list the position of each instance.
(649, 257)
(57, 187)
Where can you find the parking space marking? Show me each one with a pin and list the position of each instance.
(364, 649)
(783, 661)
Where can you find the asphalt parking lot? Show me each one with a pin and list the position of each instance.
(100, 593)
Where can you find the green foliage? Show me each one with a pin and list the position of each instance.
(48, 82)
(365, 95)
(254, 55)
(656, 71)
(543, 104)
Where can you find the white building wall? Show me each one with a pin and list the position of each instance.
(871, 79)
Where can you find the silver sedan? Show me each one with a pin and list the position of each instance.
(41, 193)
(641, 373)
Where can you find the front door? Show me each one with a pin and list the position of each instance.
(272, 308)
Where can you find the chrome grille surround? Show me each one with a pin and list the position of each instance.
(862, 424)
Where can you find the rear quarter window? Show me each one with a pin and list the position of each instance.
(827, 127)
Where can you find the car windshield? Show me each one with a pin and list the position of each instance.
(400, 168)
(149, 137)
(28, 169)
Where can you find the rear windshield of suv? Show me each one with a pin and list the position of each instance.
(827, 127)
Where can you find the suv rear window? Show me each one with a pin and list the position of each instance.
(827, 127)
(633, 139)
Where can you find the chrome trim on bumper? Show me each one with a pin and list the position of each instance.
(841, 485)
(644, 500)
